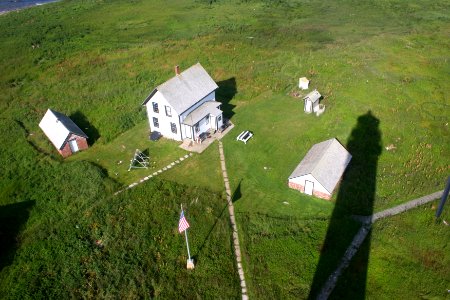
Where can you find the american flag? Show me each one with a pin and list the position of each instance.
(183, 224)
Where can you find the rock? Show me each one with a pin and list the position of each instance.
(390, 147)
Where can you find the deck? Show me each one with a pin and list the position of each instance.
(192, 146)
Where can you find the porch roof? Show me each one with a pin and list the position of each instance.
(210, 107)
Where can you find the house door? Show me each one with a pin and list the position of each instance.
(188, 131)
(309, 186)
(73, 146)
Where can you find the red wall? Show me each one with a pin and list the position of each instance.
(301, 188)
(81, 142)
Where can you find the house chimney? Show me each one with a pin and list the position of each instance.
(177, 70)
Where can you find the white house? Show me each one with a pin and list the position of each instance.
(312, 102)
(64, 134)
(321, 169)
(185, 106)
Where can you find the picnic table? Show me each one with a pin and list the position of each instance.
(244, 136)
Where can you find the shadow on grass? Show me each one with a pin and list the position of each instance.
(12, 218)
(236, 196)
(237, 193)
(356, 197)
(225, 93)
(200, 249)
(81, 120)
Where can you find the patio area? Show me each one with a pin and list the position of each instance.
(193, 146)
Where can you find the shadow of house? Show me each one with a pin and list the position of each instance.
(81, 120)
(224, 94)
(356, 197)
(12, 218)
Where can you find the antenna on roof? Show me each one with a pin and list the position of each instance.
(139, 161)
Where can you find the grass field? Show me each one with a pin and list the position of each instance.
(97, 60)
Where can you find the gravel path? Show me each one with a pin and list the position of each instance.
(237, 249)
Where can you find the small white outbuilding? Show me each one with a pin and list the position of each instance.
(303, 83)
(64, 134)
(312, 102)
(321, 169)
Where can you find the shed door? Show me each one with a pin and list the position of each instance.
(309, 186)
(73, 146)
(308, 106)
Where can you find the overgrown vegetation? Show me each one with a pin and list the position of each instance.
(96, 61)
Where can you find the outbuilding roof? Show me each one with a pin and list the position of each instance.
(326, 162)
(57, 127)
(304, 79)
(186, 88)
(209, 107)
(313, 96)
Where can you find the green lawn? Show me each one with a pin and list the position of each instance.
(407, 257)
(96, 61)
(115, 156)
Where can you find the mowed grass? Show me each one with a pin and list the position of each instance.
(115, 157)
(100, 60)
(407, 257)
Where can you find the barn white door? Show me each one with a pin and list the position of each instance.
(73, 146)
(309, 186)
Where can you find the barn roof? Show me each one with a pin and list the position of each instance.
(186, 89)
(57, 127)
(326, 162)
(313, 96)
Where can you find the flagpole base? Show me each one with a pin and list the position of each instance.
(190, 264)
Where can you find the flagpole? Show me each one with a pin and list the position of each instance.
(190, 262)
(187, 244)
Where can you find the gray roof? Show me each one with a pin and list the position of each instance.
(326, 162)
(68, 123)
(313, 96)
(209, 107)
(186, 89)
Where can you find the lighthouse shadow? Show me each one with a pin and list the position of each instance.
(356, 197)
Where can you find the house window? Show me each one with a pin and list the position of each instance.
(168, 111)
(219, 118)
(173, 127)
(197, 128)
(207, 120)
(155, 122)
(155, 107)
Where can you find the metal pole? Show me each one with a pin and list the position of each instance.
(187, 244)
(443, 198)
